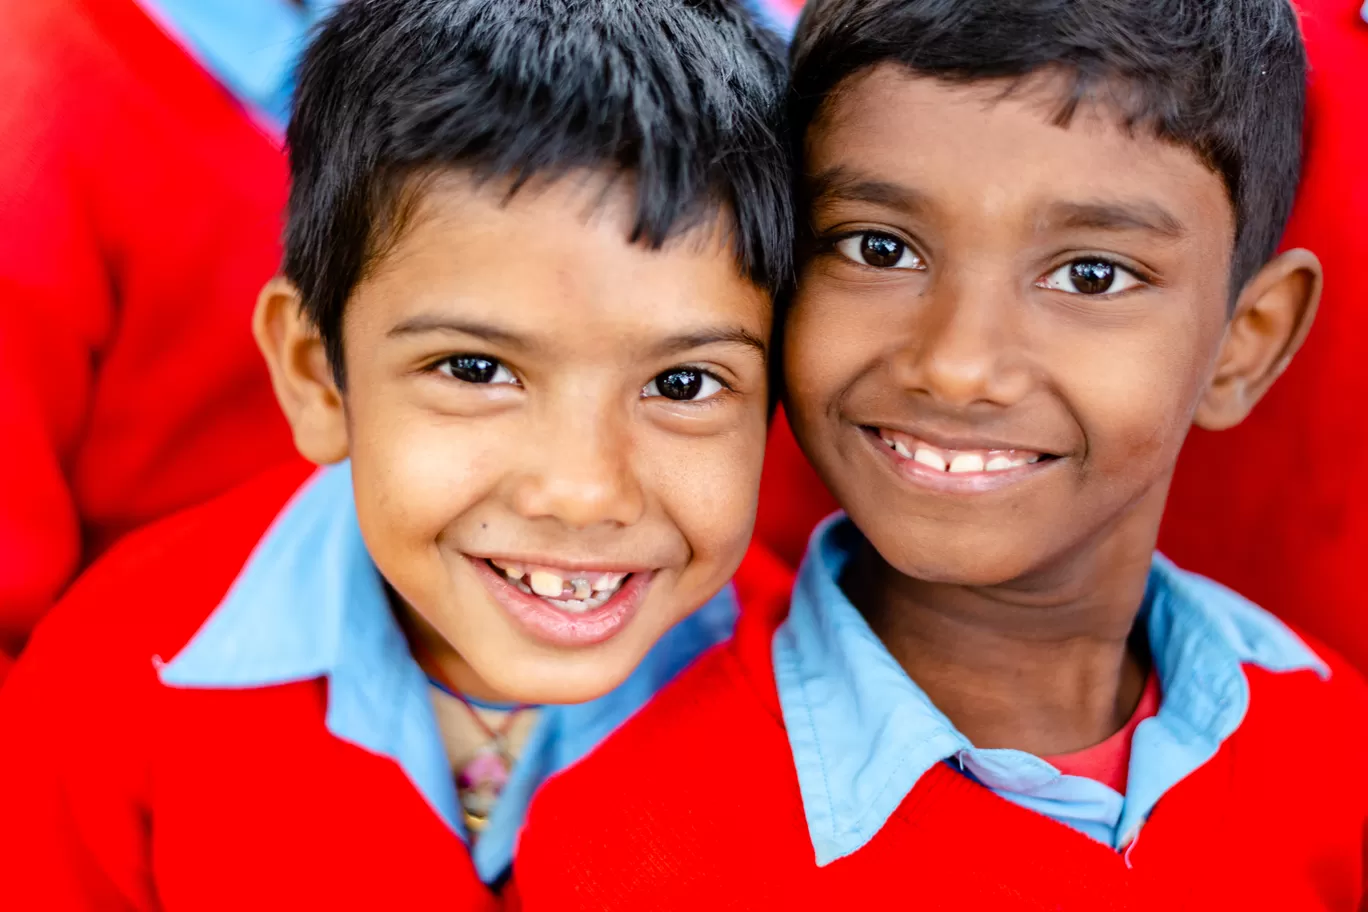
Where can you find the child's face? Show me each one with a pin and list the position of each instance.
(1003, 334)
(525, 389)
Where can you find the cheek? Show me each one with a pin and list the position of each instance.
(1135, 396)
(414, 472)
(708, 489)
(825, 340)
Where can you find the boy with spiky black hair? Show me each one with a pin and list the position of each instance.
(524, 319)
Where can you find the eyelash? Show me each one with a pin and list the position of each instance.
(449, 361)
(1141, 278)
(496, 365)
(711, 399)
(833, 245)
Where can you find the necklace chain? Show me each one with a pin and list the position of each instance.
(481, 781)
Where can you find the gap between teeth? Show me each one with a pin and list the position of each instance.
(576, 594)
(959, 463)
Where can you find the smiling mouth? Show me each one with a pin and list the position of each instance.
(954, 468)
(566, 608)
(576, 592)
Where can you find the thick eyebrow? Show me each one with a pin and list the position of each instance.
(727, 335)
(1120, 216)
(429, 323)
(841, 185)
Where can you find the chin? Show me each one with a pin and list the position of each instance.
(964, 565)
(539, 679)
(974, 577)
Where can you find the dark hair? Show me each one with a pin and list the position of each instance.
(684, 98)
(1225, 78)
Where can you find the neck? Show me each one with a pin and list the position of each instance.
(1047, 666)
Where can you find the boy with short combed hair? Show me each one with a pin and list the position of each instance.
(524, 320)
(1041, 246)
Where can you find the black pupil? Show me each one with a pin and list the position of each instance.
(680, 384)
(881, 250)
(1092, 276)
(473, 369)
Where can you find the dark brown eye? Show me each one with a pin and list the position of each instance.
(881, 251)
(1092, 276)
(682, 384)
(476, 369)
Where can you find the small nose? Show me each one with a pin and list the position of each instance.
(964, 347)
(579, 472)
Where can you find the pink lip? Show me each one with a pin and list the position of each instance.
(562, 628)
(957, 482)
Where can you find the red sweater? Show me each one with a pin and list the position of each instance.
(122, 794)
(706, 814)
(140, 215)
(1277, 508)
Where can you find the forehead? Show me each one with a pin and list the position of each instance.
(554, 251)
(994, 148)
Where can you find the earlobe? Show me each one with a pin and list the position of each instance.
(300, 374)
(1271, 319)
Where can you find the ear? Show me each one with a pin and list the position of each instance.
(1272, 317)
(303, 381)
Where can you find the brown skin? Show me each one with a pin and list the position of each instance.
(562, 459)
(1012, 608)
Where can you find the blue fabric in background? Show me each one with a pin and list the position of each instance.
(779, 15)
(250, 46)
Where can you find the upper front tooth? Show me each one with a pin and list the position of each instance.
(930, 458)
(902, 449)
(513, 571)
(547, 585)
(967, 462)
(582, 588)
(999, 463)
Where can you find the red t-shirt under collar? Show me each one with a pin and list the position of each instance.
(1109, 761)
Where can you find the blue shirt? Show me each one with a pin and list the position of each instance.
(863, 733)
(309, 603)
(250, 46)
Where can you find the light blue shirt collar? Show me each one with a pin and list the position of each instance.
(309, 603)
(250, 46)
(863, 733)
